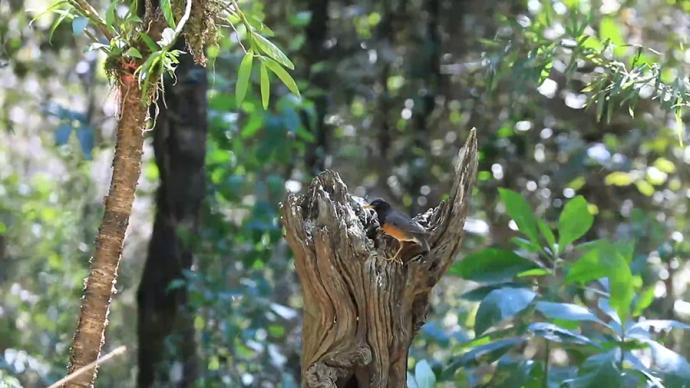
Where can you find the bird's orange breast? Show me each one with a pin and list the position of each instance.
(397, 233)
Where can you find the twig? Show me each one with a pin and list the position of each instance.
(69, 377)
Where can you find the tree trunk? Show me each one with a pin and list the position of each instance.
(100, 285)
(361, 312)
(180, 146)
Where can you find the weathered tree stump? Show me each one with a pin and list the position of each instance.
(361, 311)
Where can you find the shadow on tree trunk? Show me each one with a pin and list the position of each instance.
(164, 322)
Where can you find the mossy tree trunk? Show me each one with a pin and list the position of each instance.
(100, 285)
(361, 312)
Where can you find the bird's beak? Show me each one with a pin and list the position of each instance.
(368, 206)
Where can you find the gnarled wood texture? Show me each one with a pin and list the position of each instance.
(361, 311)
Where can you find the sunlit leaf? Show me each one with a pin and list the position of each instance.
(574, 222)
(283, 75)
(168, 13)
(243, 74)
(270, 49)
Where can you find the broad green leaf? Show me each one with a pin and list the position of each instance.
(62, 133)
(168, 13)
(491, 265)
(659, 325)
(270, 49)
(243, 74)
(643, 300)
(618, 178)
(558, 334)
(574, 222)
(521, 212)
(283, 75)
(423, 375)
(605, 259)
(598, 371)
(265, 86)
(500, 305)
(79, 25)
(479, 293)
(566, 311)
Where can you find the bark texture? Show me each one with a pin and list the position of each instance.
(100, 285)
(180, 147)
(361, 311)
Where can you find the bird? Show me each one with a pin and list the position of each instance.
(399, 226)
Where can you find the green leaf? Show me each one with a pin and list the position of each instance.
(605, 259)
(547, 233)
(521, 212)
(133, 52)
(423, 375)
(558, 334)
(270, 49)
(659, 325)
(79, 25)
(611, 31)
(479, 293)
(265, 86)
(643, 300)
(598, 371)
(491, 265)
(168, 13)
(566, 311)
(243, 74)
(153, 46)
(534, 273)
(56, 24)
(574, 222)
(283, 75)
(501, 304)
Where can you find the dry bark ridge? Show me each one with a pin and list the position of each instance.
(89, 335)
(361, 312)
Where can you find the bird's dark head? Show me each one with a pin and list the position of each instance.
(380, 206)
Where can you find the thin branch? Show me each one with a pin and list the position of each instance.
(119, 350)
